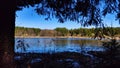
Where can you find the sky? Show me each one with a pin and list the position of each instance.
(29, 18)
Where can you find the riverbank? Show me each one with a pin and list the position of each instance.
(51, 37)
(82, 37)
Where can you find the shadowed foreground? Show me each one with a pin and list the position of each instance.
(62, 60)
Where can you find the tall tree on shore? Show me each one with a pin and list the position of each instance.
(62, 31)
(61, 9)
(7, 26)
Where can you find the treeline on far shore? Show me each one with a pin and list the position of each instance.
(79, 32)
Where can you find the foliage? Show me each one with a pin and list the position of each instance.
(71, 32)
(73, 10)
(89, 32)
(27, 31)
(21, 44)
(63, 31)
(111, 31)
(111, 46)
(48, 33)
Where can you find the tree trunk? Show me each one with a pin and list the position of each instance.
(7, 26)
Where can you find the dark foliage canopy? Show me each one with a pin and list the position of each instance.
(86, 12)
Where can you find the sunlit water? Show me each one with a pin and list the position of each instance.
(52, 45)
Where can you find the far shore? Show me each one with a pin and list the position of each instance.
(108, 38)
(50, 37)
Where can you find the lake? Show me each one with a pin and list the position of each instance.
(53, 45)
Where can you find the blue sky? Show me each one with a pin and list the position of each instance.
(29, 18)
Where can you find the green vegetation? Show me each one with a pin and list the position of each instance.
(22, 31)
(80, 32)
(62, 31)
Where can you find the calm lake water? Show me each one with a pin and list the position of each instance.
(52, 45)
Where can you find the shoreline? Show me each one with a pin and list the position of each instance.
(117, 38)
(47, 37)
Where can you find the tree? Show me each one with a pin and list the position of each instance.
(62, 31)
(7, 25)
(61, 9)
(71, 32)
(46, 32)
(21, 31)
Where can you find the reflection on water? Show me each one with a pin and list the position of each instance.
(51, 45)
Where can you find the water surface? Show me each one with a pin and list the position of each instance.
(52, 45)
